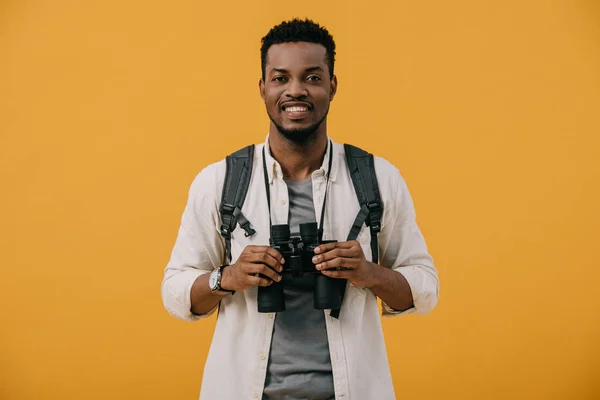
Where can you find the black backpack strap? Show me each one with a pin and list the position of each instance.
(235, 188)
(362, 171)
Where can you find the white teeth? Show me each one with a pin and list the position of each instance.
(296, 109)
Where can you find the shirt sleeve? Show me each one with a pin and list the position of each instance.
(402, 248)
(198, 249)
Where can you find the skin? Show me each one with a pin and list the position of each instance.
(297, 74)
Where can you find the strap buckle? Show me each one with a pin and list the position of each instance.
(248, 230)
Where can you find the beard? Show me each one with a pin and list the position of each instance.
(299, 136)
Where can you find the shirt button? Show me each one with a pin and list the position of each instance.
(282, 201)
(270, 315)
(255, 394)
(262, 356)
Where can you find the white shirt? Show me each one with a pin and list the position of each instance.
(237, 360)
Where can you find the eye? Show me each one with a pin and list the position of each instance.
(314, 78)
(279, 79)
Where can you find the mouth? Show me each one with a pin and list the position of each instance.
(296, 110)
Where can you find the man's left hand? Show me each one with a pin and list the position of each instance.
(344, 260)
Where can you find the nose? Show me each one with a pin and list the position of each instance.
(296, 89)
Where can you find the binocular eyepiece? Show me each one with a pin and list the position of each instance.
(298, 252)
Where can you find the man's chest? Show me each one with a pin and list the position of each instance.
(337, 201)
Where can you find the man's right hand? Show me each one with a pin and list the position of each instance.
(254, 260)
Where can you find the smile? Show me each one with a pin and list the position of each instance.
(296, 113)
(295, 109)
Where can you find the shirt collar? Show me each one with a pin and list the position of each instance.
(274, 168)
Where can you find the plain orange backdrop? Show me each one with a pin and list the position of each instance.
(490, 110)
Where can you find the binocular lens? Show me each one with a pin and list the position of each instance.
(327, 293)
(280, 233)
(309, 232)
(270, 298)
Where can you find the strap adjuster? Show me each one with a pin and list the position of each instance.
(374, 206)
(225, 232)
(375, 227)
(374, 216)
(228, 208)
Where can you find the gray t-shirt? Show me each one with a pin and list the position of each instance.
(299, 364)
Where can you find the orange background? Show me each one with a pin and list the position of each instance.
(108, 109)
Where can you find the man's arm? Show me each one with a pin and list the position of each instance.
(391, 287)
(406, 281)
(203, 300)
(346, 260)
(256, 266)
(403, 250)
(198, 249)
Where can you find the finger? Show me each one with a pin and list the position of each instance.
(258, 281)
(337, 274)
(266, 259)
(265, 271)
(322, 248)
(269, 250)
(335, 253)
(336, 263)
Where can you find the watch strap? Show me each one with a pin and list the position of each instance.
(219, 288)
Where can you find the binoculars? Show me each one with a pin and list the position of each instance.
(298, 252)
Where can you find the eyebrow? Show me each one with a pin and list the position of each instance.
(285, 71)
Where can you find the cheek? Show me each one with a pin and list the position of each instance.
(271, 100)
(322, 95)
(273, 106)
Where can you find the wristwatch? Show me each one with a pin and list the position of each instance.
(214, 281)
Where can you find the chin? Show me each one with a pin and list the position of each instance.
(297, 132)
(299, 127)
(299, 136)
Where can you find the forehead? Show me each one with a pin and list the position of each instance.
(296, 55)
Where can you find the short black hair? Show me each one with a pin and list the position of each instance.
(298, 30)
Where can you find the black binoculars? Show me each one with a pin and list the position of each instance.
(298, 252)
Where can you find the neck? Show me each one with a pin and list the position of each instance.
(297, 161)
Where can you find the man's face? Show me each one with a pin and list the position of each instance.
(297, 89)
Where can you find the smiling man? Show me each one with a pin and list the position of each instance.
(297, 350)
(297, 109)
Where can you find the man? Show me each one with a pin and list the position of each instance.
(302, 352)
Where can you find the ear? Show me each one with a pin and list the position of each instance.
(261, 88)
(333, 88)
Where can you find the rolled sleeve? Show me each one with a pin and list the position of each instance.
(403, 248)
(176, 292)
(424, 288)
(198, 248)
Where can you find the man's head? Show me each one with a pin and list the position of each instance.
(298, 83)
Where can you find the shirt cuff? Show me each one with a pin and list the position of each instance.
(424, 291)
(176, 295)
(388, 311)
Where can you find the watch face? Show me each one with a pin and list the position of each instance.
(212, 281)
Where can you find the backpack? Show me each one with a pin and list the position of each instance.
(362, 171)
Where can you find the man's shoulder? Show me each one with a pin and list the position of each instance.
(211, 171)
(214, 173)
(383, 167)
(240, 150)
